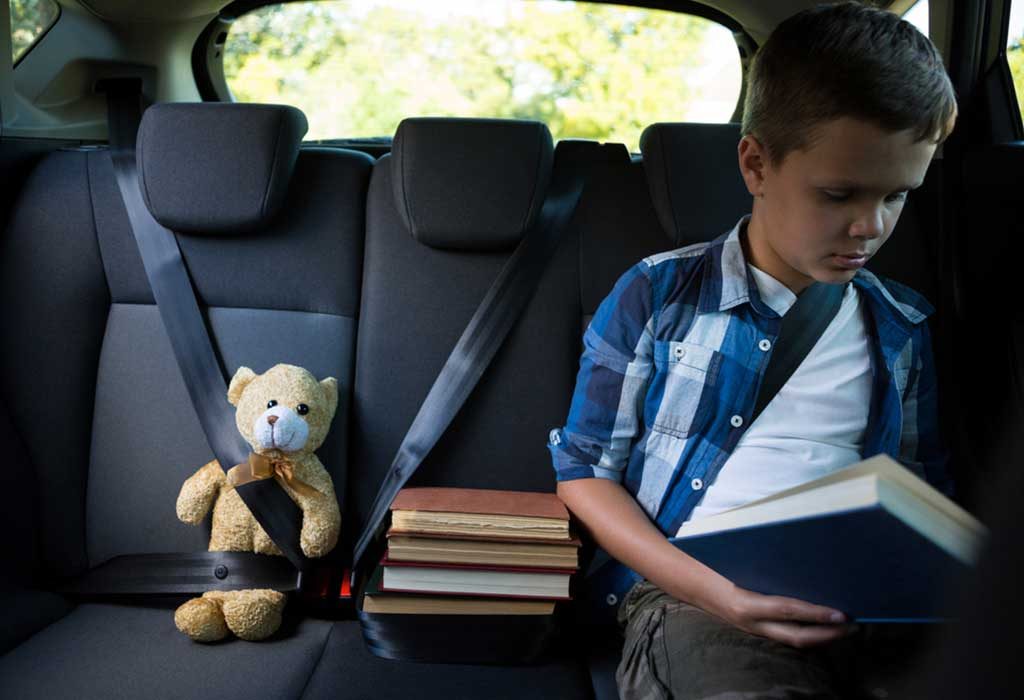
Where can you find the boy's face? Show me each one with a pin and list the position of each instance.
(840, 196)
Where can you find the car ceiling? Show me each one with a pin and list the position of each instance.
(757, 18)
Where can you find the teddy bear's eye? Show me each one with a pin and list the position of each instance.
(302, 409)
(271, 403)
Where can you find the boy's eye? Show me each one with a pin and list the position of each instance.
(897, 196)
(836, 195)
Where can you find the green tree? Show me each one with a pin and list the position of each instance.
(1015, 57)
(587, 70)
(29, 19)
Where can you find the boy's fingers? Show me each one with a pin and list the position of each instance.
(782, 608)
(802, 636)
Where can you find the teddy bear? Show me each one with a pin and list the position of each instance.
(284, 414)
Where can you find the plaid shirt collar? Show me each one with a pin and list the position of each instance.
(731, 283)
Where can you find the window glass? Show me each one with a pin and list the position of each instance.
(918, 16)
(29, 20)
(598, 71)
(1015, 50)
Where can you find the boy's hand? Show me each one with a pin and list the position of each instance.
(788, 620)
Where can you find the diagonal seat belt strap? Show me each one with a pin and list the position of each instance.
(480, 341)
(276, 513)
(802, 327)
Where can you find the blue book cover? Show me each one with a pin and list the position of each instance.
(863, 561)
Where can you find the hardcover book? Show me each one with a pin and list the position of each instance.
(872, 540)
(489, 513)
(466, 579)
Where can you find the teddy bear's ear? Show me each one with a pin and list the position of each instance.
(330, 387)
(242, 377)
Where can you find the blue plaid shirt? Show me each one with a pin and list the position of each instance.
(671, 367)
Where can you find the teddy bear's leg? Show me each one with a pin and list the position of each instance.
(253, 614)
(202, 619)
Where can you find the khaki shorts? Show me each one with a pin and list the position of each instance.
(675, 650)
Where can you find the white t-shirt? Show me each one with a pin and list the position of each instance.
(815, 424)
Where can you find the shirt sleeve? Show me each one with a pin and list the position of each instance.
(606, 413)
(921, 446)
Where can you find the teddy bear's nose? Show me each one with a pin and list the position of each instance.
(271, 419)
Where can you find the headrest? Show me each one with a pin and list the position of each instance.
(470, 184)
(694, 179)
(212, 167)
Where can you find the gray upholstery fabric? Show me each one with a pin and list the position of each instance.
(107, 652)
(52, 279)
(694, 179)
(210, 167)
(308, 260)
(146, 437)
(19, 516)
(347, 670)
(416, 303)
(618, 228)
(25, 612)
(470, 184)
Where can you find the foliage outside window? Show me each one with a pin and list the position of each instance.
(1015, 50)
(356, 68)
(29, 20)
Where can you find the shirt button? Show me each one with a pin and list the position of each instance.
(697, 484)
(611, 599)
(554, 437)
(736, 421)
(765, 345)
(680, 351)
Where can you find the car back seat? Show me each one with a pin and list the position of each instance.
(444, 212)
(95, 397)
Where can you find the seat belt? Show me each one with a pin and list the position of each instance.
(800, 330)
(168, 277)
(479, 343)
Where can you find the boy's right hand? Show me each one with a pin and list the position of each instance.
(788, 620)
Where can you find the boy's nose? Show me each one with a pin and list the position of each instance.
(870, 224)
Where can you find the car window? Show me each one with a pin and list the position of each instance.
(918, 16)
(29, 21)
(1015, 50)
(597, 71)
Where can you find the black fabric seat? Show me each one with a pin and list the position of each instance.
(444, 212)
(273, 240)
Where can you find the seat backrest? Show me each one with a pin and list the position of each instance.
(272, 238)
(445, 211)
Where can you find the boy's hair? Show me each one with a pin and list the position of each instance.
(845, 60)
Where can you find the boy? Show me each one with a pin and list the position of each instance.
(845, 107)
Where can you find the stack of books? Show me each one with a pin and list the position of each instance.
(474, 552)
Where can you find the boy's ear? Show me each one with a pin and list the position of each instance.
(753, 162)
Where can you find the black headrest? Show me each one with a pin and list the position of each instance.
(694, 179)
(216, 167)
(470, 184)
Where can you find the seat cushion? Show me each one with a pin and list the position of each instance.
(348, 670)
(121, 651)
(25, 612)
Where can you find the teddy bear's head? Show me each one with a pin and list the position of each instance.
(284, 409)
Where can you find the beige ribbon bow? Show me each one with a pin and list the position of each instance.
(259, 467)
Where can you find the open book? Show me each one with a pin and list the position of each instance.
(872, 540)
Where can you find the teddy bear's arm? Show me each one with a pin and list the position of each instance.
(199, 492)
(321, 518)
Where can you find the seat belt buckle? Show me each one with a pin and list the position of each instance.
(324, 591)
